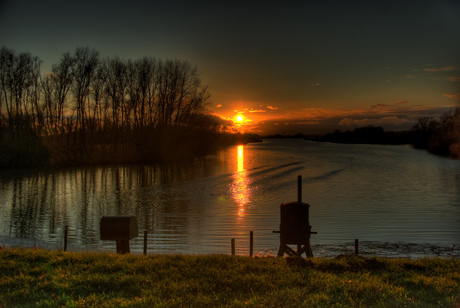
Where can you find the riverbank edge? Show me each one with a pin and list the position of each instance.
(367, 248)
(15, 158)
(56, 278)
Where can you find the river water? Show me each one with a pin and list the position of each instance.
(388, 197)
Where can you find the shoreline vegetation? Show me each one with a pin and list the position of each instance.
(89, 110)
(438, 136)
(41, 278)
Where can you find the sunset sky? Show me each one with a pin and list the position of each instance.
(285, 66)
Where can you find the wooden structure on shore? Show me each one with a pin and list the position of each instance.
(295, 226)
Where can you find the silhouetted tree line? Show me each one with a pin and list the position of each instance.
(439, 136)
(280, 136)
(93, 110)
(368, 135)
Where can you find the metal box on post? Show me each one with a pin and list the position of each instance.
(295, 226)
(120, 229)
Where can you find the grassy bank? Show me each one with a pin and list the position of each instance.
(31, 277)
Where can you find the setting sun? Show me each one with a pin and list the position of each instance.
(239, 118)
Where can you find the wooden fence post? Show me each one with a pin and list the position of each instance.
(66, 234)
(233, 246)
(356, 247)
(251, 243)
(145, 243)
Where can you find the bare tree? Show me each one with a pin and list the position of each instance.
(133, 91)
(33, 93)
(98, 94)
(146, 69)
(180, 94)
(18, 79)
(116, 87)
(83, 71)
(6, 77)
(59, 83)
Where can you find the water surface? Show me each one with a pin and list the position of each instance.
(367, 192)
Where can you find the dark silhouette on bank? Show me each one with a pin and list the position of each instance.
(438, 136)
(368, 135)
(89, 110)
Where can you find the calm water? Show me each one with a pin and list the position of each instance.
(369, 192)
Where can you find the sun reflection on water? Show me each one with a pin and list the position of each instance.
(239, 188)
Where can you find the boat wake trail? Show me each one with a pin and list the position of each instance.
(323, 176)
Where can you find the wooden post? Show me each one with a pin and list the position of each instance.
(233, 246)
(66, 233)
(145, 243)
(299, 188)
(356, 247)
(123, 246)
(251, 243)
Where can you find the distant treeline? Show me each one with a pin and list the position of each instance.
(90, 110)
(439, 136)
(368, 135)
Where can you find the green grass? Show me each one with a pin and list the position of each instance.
(40, 278)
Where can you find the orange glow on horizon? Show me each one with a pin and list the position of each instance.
(317, 120)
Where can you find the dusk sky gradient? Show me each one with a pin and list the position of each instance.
(286, 66)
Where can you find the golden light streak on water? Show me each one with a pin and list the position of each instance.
(239, 188)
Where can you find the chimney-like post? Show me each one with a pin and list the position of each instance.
(299, 189)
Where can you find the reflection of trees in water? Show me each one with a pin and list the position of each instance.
(33, 206)
(43, 203)
(87, 195)
(451, 177)
(23, 213)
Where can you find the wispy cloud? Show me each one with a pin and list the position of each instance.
(453, 78)
(315, 85)
(454, 96)
(442, 69)
(397, 103)
(449, 78)
(272, 107)
(221, 120)
(447, 69)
